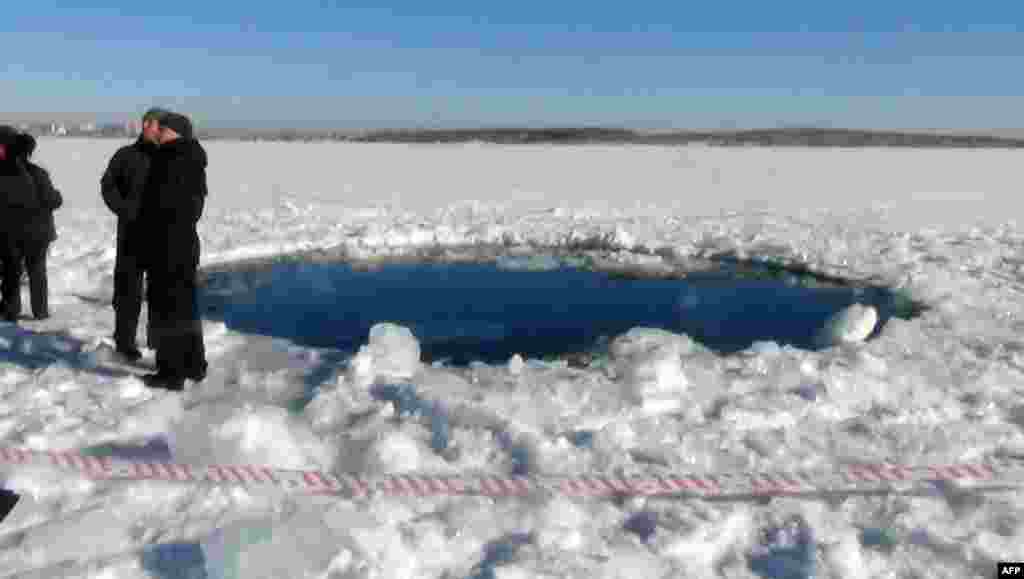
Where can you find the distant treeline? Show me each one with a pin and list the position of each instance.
(765, 137)
(789, 137)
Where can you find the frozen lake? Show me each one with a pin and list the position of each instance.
(944, 388)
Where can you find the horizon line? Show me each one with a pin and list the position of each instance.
(337, 125)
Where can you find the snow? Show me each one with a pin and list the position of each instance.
(391, 352)
(853, 324)
(946, 387)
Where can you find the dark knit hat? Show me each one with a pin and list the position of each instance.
(178, 123)
(155, 114)
(9, 135)
(25, 145)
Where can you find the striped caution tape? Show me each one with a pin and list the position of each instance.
(996, 473)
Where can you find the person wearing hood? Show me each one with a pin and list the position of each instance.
(172, 204)
(27, 227)
(121, 187)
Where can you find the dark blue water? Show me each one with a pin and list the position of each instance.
(466, 312)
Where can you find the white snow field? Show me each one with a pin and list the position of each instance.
(947, 387)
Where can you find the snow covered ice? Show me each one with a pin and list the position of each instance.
(946, 387)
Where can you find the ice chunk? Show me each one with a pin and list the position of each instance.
(99, 353)
(402, 395)
(499, 553)
(516, 365)
(853, 324)
(582, 438)
(252, 434)
(559, 525)
(521, 459)
(153, 418)
(512, 572)
(528, 263)
(632, 564)
(706, 546)
(440, 429)
(393, 352)
(847, 559)
(649, 362)
(408, 403)
(765, 348)
(396, 452)
(808, 391)
(521, 455)
(785, 552)
(259, 547)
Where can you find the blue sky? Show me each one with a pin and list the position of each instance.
(679, 64)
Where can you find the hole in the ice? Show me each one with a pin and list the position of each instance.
(539, 307)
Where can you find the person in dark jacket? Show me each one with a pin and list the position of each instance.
(121, 186)
(27, 228)
(172, 205)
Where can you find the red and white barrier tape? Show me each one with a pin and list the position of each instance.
(994, 473)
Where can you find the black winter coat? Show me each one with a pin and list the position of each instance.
(172, 204)
(27, 202)
(123, 183)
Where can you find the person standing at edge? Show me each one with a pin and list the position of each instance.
(27, 228)
(172, 205)
(121, 187)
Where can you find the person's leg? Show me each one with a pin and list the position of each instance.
(1, 279)
(180, 328)
(195, 363)
(161, 331)
(182, 353)
(157, 327)
(169, 357)
(11, 284)
(35, 252)
(198, 365)
(127, 301)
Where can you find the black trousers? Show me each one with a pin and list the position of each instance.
(128, 289)
(175, 326)
(19, 254)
